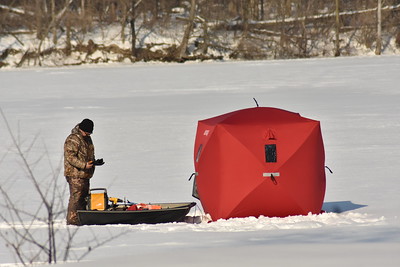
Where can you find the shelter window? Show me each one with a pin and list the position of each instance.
(270, 153)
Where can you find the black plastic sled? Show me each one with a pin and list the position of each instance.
(165, 213)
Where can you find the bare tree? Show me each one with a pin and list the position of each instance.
(132, 14)
(39, 19)
(181, 52)
(23, 238)
(378, 49)
(132, 22)
(68, 45)
(246, 29)
(124, 18)
(53, 16)
(337, 29)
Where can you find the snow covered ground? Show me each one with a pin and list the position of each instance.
(16, 47)
(145, 121)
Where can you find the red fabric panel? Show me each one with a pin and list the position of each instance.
(231, 164)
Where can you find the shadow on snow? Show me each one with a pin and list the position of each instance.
(341, 206)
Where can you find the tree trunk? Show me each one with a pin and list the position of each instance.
(337, 41)
(378, 50)
(39, 23)
(245, 14)
(243, 47)
(133, 30)
(282, 50)
(206, 37)
(53, 18)
(68, 46)
(85, 27)
(185, 40)
(83, 12)
(124, 16)
(261, 13)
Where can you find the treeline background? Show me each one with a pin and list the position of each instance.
(241, 29)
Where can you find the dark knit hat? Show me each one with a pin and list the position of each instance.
(86, 125)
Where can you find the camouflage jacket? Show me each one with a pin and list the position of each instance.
(78, 150)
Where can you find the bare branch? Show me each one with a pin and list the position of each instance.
(24, 235)
(14, 10)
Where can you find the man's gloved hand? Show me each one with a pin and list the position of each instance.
(98, 162)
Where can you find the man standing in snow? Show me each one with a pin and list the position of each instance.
(79, 167)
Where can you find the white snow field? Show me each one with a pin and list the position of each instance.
(145, 123)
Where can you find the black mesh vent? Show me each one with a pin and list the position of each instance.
(270, 153)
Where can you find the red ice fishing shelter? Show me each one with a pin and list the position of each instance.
(259, 161)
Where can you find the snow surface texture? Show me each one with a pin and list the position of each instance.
(145, 122)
